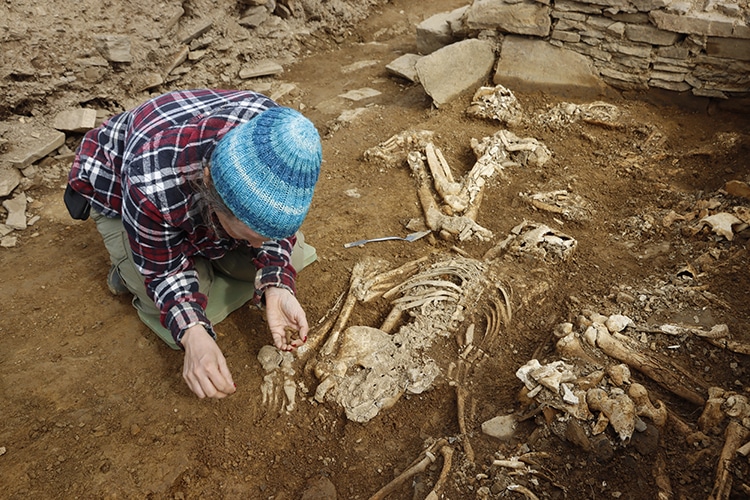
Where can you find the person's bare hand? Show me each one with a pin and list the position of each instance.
(286, 319)
(204, 368)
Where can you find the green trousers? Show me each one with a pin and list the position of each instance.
(228, 282)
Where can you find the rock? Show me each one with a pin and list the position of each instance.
(16, 208)
(319, 489)
(360, 94)
(261, 68)
(435, 32)
(29, 142)
(575, 433)
(195, 30)
(405, 67)
(254, 17)
(358, 66)
(9, 179)
(75, 120)
(738, 188)
(536, 65)
(522, 17)
(147, 80)
(502, 427)
(114, 48)
(450, 71)
(8, 241)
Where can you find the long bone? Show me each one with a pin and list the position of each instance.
(666, 374)
(460, 226)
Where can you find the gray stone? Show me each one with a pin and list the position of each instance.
(502, 427)
(569, 6)
(9, 180)
(669, 85)
(195, 30)
(621, 4)
(565, 36)
(704, 23)
(261, 68)
(535, 64)
(668, 76)
(405, 67)
(16, 208)
(115, 48)
(524, 17)
(642, 51)
(674, 52)
(728, 48)
(458, 67)
(436, 32)
(29, 142)
(254, 17)
(649, 5)
(75, 120)
(360, 94)
(650, 34)
(8, 241)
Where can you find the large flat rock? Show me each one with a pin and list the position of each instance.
(450, 71)
(527, 64)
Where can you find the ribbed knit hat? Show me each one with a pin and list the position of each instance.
(265, 170)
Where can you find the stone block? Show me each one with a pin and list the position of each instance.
(9, 178)
(405, 67)
(701, 23)
(523, 18)
(261, 68)
(29, 142)
(436, 32)
(728, 48)
(75, 120)
(536, 65)
(114, 48)
(456, 68)
(650, 34)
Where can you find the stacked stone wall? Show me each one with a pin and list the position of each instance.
(697, 46)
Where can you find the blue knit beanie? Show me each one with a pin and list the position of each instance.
(265, 170)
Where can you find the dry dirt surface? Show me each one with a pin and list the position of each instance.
(94, 406)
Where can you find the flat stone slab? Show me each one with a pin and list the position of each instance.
(456, 68)
(405, 67)
(29, 142)
(536, 65)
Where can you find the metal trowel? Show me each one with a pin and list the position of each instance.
(408, 237)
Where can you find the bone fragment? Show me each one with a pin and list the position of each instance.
(736, 433)
(570, 347)
(620, 410)
(661, 371)
(461, 395)
(445, 185)
(462, 227)
(712, 416)
(420, 466)
(523, 490)
(643, 406)
(447, 453)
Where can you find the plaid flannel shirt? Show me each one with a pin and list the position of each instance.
(142, 165)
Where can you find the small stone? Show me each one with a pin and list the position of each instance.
(262, 68)
(75, 120)
(115, 48)
(501, 427)
(320, 489)
(360, 94)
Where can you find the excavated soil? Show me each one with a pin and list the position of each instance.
(94, 406)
